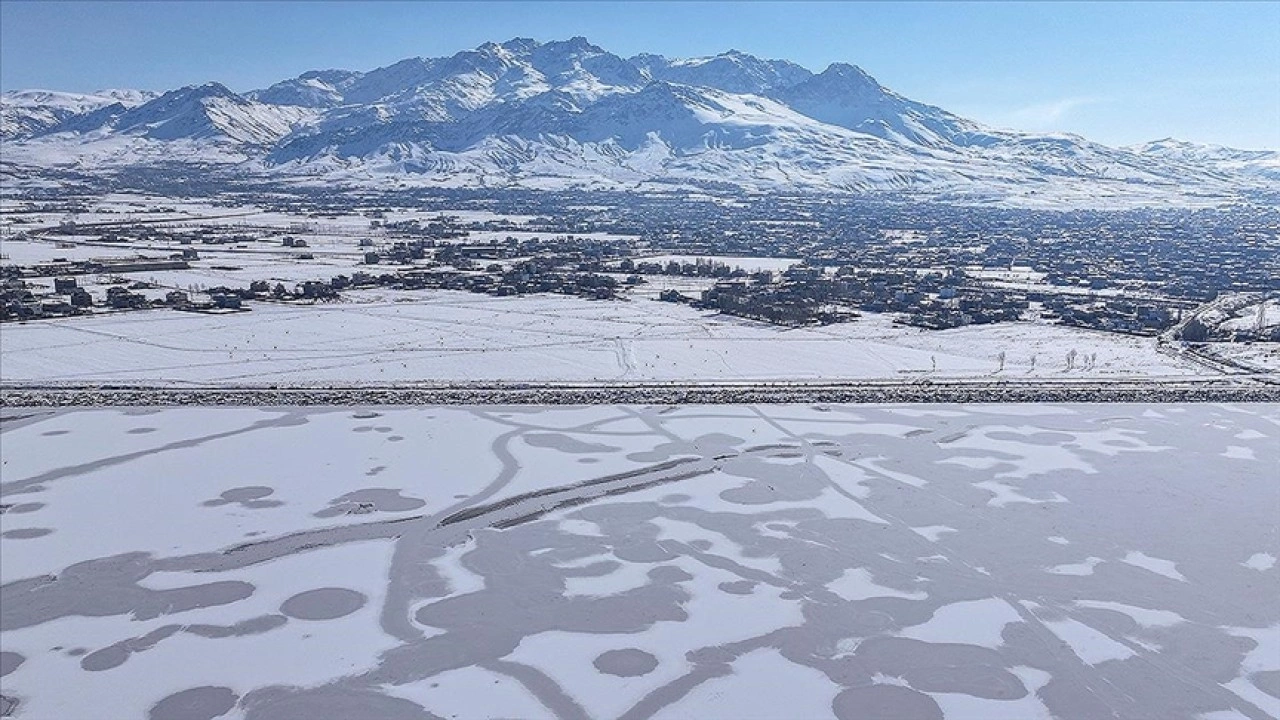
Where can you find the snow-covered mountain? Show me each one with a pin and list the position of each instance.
(569, 114)
(209, 111)
(1261, 163)
(31, 112)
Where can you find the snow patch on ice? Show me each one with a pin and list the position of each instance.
(1006, 494)
(1080, 568)
(1156, 565)
(1222, 715)
(1239, 452)
(974, 622)
(762, 682)
(472, 693)
(1145, 617)
(575, 526)
(1260, 561)
(932, 532)
(1088, 644)
(687, 532)
(873, 464)
(849, 477)
(857, 584)
(461, 580)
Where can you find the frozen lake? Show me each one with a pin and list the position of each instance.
(1020, 561)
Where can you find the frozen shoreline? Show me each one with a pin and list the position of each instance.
(1028, 391)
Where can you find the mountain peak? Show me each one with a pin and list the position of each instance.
(1173, 143)
(576, 45)
(203, 90)
(848, 73)
(521, 44)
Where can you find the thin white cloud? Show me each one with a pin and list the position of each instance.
(1048, 115)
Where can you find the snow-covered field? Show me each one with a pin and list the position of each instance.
(934, 561)
(388, 336)
(177, 213)
(30, 252)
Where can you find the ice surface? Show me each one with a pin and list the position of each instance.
(767, 561)
(962, 706)
(1264, 657)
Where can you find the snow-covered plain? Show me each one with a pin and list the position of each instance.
(176, 213)
(631, 561)
(389, 336)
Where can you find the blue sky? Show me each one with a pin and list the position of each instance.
(1114, 72)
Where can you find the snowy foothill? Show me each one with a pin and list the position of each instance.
(1263, 356)
(659, 561)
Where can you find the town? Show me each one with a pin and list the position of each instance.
(1136, 272)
